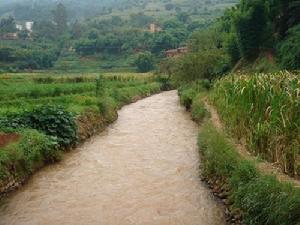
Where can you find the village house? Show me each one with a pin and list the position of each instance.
(14, 36)
(154, 28)
(9, 36)
(176, 52)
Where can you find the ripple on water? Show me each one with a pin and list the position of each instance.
(142, 170)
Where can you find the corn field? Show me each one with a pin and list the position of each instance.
(264, 110)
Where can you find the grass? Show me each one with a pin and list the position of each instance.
(253, 197)
(72, 62)
(264, 110)
(262, 199)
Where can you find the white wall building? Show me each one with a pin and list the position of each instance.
(19, 27)
(29, 26)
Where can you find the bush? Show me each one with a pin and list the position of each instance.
(289, 50)
(108, 108)
(28, 154)
(203, 65)
(199, 111)
(52, 120)
(144, 62)
(165, 83)
(187, 96)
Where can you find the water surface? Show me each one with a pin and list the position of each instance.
(142, 170)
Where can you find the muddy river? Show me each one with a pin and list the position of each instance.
(143, 170)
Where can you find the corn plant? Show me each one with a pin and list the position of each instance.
(264, 109)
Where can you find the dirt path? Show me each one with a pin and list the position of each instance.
(142, 170)
(263, 166)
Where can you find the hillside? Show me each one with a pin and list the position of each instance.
(110, 35)
(41, 9)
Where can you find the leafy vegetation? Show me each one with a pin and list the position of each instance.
(52, 120)
(262, 198)
(106, 36)
(263, 109)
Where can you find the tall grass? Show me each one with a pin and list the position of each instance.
(264, 110)
(262, 199)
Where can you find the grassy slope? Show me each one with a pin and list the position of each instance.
(255, 197)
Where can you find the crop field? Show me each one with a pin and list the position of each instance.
(264, 110)
(76, 92)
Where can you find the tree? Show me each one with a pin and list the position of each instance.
(23, 34)
(232, 48)
(289, 50)
(76, 31)
(144, 62)
(85, 47)
(251, 27)
(204, 40)
(93, 34)
(183, 17)
(60, 18)
(44, 29)
(201, 65)
(7, 25)
(163, 41)
(169, 6)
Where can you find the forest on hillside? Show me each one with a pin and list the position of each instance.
(111, 37)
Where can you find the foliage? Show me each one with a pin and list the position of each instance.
(144, 62)
(232, 48)
(107, 108)
(201, 65)
(28, 154)
(263, 109)
(251, 26)
(289, 50)
(100, 85)
(7, 25)
(262, 198)
(52, 120)
(60, 18)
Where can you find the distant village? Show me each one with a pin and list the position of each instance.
(26, 26)
(153, 28)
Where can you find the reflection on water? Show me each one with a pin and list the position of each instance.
(142, 170)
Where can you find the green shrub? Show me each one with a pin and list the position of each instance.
(289, 50)
(165, 83)
(107, 107)
(198, 111)
(28, 154)
(53, 120)
(186, 97)
(144, 62)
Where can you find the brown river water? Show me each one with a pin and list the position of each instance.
(143, 170)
